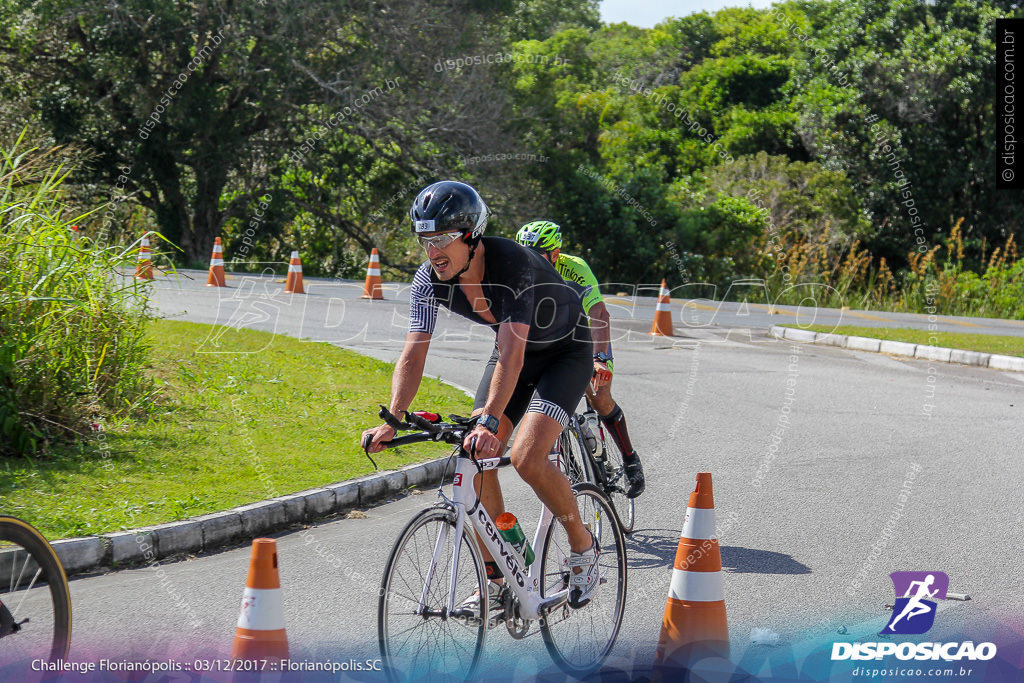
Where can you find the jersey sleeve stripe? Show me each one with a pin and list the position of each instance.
(422, 304)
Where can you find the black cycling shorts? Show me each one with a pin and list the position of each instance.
(551, 382)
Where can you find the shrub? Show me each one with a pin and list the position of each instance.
(71, 324)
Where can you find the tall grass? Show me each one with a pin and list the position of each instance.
(72, 342)
(935, 281)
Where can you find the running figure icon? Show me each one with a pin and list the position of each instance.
(916, 588)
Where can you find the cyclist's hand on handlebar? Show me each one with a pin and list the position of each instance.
(487, 445)
(602, 374)
(372, 438)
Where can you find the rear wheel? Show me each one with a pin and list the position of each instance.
(580, 639)
(616, 483)
(35, 604)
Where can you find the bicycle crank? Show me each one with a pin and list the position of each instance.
(517, 626)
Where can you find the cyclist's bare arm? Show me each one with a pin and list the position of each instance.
(600, 327)
(600, 330)
(405, 382)
(511, 351)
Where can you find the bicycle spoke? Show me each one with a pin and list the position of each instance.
(415, 644)
(579, 639)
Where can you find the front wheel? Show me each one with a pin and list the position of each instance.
(580, 639)
(35, 604)
(418, 636)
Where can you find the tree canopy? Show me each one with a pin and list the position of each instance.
(834, 122)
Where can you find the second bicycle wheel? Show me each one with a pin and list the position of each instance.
(35, 605)
(616, 483)
(571, 457)
(419, 637)
(580, 639)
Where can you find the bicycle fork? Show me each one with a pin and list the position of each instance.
(438, 555)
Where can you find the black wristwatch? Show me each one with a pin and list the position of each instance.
(602, 357)
(489, 422)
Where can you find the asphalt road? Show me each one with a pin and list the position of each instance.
(798, 513)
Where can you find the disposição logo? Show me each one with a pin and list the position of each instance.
(914, 613)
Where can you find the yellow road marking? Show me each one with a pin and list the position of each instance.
(622, 302)
(774, 311)
(694, 304)
(868, 317)
(958, 322)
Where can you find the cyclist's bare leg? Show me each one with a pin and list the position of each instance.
(602, 399)
(530, 458)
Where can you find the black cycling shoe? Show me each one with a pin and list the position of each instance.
(635, 476)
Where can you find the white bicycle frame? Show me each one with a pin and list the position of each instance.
(524, 583)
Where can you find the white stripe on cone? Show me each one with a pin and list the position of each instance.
(216, 262)
(295, 254)
(695, 586)
(699, 524)
(295, 268)
(144, 256)
(373, 271)
(663, 293)
(145, 241)
(217, 249)
(663, 307)
(262, 609)
(374, 258)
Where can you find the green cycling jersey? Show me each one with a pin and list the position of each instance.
(578, 275)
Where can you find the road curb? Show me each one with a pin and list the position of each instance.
(921, 351)
(148, 545)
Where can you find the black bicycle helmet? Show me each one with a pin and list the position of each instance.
(449, 205)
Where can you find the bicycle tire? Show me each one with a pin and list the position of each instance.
(401, 587)
(571, 459)
(33, 587)
(615, 484)
(578, 640)
(581, 462)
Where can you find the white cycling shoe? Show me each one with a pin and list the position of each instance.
(495, 599)
(583, 584)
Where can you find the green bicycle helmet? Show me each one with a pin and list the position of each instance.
(540, 235)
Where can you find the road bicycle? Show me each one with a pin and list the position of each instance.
(423, 625)
(35, 603)
(599, 463)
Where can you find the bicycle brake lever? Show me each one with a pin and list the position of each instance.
(367, 440)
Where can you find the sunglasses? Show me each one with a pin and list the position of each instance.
(439, 241)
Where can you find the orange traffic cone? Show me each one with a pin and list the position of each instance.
(694, 623)
(293, 283)
(662, 326)
(144, 266)
(260, 633)
(216, 276)
(74, 233)
(372, 289)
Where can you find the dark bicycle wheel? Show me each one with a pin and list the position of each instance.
(616, 484)
(573, 456)
(35, 603)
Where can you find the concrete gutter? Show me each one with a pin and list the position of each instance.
(921, 351)
(119, 549)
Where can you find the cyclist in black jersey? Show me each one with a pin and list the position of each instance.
(538, 373)
(545, 238)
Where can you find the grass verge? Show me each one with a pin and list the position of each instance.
(984, 343)
(242, 416)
